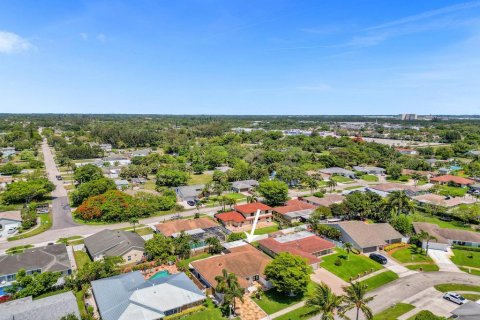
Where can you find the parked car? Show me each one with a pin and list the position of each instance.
(191, 203)
(378, 258)
(59, 177)
(454, 297)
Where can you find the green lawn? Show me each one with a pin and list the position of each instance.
(418, 217)
(394, 311)
(369, 178)
(380, 279)
(186, 262)
(236, 196)
(341, 179)
(471, 296)
(52, 293)
(357, 264)
(471, 271)
(45, 224)
(81, 258)
(425, 314)
(466, 258)
(445, 190)
(457, 287)
(18, 249)
(266, 230)
(425, 267)
(273, 301)
(301, 313)
(200, 178)
(80, 302)
(143, 231)
(211, 313)
(411, 254)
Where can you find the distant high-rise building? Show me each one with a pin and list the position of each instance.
(408, 116)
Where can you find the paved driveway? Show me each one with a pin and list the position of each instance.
(442, 259)
(432, 300)
(335, 283)
(396, 267)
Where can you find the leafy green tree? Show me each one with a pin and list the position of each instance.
(289, 274)
(26, 191)
(214, 245)
(10, 169)
(33, 285)
(394, 171)
(275, 192)
(399, 202)
(402, 224)
(99, 269)
(171, 178)
(227, 284)
(235, 236)
(87, 173)
(355, 298)
(91, 188)
(160, 248)
(70, 316)
(326, 303)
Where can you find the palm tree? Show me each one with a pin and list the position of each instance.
(214, 245)
(312, 184)
(399, 201)
(326, 303)
(198, 205)
(425, 236)
(416, 177)
(133, 221)
(227, 284)
(348, 248)
(331, 184)
(355, 298)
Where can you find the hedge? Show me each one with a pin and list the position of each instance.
(185, 313)
(466, 248)
(394, 246)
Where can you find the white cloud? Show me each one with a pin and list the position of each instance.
(101, 37)
(12, 43)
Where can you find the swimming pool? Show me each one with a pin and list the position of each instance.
(160, 274)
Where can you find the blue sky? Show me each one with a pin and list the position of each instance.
(240, 57)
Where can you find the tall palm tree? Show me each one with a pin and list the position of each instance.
(399, 201)
(355, 298)
(227, 284)
(331, 184)
(326, 303)
(312, 184)
(348, 248)
(425, 236)
(133, 221)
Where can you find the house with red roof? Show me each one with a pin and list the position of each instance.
(451, 179)
(245, 215)
(294, 211)
(303, 244)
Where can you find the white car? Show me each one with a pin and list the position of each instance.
(454, 297)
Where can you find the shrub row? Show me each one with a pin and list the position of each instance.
(466, 248)
(390, 247)
(185, 313)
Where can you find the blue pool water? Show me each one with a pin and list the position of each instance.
(160, 274)
(455, 168)
(2, 293)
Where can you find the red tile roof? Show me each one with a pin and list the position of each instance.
(252, 207)
(454, 179)
(230, 216)
(292, 206)
(304, 247)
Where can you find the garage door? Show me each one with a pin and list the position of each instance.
(369, 249)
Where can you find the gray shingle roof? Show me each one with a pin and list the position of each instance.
(48, 258)
(129, 296)
(49, 308)
(113, 243)
(369, 234)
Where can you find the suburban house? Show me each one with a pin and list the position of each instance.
(199, 229)
(114, 161)
(130, 296)
(52, 258)
(141, 153)
(189, 193)
(325, 201)
(442, 201)
(10, 221)
(407, 151)
(409, 172)
(121, 184)
(107, 147)
(369, 170)
(467, 311)
(367, 237)
(294, 211)
(5, 181)
(304, 244)
(245, 214)
(138, 181)
(451, 179)
(7, 152)
(115, 243)
(49, 308)
(474, 153)
(447, 237)
(337, 171)
(223, 169)
(242, 259)
(385, 189)
(244, 185)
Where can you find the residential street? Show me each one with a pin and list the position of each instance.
(406, 287)
(62, 217)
